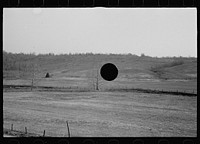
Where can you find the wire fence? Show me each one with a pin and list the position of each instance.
(190, 92)
(29, 132)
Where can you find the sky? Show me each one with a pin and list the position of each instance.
(152, 31)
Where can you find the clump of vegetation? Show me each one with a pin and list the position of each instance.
(142, 55)
(171, 64)
(160, 69)
(47, 75)
(176, 63)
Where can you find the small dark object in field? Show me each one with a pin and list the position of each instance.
(47, 75)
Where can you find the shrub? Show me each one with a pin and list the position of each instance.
(47, 75)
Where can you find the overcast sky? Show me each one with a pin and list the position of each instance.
(154, 32)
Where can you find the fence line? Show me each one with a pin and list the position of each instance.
(173, 92)
(25, 133)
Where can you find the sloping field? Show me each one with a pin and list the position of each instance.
(187, 70)
(130, 66)
(172, 74)
(189, 86)
(101, 114)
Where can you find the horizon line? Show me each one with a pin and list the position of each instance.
(95, 53)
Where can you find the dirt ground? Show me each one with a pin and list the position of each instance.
(101, 114)
(5, 135)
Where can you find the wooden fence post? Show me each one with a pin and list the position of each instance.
(44, 133)
(68, 129)
(11, 127)
(25, 130)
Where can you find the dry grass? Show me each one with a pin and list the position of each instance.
(101, 113)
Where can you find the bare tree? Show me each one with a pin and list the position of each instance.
(32, 76)
(94, 79)
(97, 81)
(35, 71)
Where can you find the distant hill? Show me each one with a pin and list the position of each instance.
(81, 65)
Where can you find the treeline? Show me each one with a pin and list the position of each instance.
(17, 61)
(25, 62)
(89, 53)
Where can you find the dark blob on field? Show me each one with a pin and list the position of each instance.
(47, 75)
(109, 71)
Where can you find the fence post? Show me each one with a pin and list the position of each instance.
(25, 130)
(11, 127)
(68, 129)
(44, 133)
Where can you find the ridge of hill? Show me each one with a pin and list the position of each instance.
(80, 65)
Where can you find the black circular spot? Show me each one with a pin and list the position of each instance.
(109, 71)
